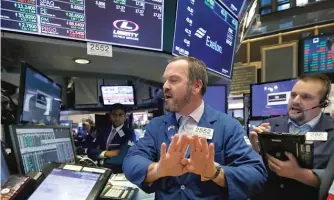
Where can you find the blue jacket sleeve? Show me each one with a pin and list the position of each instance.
(118, 160)
(245, 172)
(139, 158)
(93, 150)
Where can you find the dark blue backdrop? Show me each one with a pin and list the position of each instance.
(215, 97)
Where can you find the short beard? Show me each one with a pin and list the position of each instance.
(297, 119)
(178, 106)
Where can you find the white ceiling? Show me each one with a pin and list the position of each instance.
(55, 57)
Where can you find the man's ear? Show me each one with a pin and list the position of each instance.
(197, 86)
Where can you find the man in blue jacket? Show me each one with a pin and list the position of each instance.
(287, 179)
(183, 165)
(112, 145)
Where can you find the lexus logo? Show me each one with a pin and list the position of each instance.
(125, 25)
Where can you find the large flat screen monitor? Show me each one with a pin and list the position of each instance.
(271, 98)
(40, 97)
(118, 94)
(66, 184)
(121, 22)
(35, 146)
(316, 54)
(216, 97)
(207, 31)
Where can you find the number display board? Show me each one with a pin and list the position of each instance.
(133, 23)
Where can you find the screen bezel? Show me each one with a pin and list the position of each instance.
(251, 98)
(234, 49)
(134, 94)
(23, 75)
(16, 148)
(226, 102)
(301, 55)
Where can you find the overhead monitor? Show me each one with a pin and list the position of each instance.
(271, 98)
(317, 54)
(207, 31)
(35, 146)
(216, 97)
(118, 94)
(5, 173)
(234, 6)
(247, 21)
(40, 97)
(67, 184)
(127, 23)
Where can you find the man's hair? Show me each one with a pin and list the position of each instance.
(330, 42)
(117, 106)
(197, 71)
(323, 79)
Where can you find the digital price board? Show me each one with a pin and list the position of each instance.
(135, 23)
(317, 55)
(205, 30)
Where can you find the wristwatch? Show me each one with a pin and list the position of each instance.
(218, 169)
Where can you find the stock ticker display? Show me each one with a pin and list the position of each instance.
(121, 22)
(205, 30)
(317, 55)
(43, 145)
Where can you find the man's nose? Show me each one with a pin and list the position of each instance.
(166, 86)
(297, 99)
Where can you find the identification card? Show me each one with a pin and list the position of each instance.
(203, 132)
(316, 136)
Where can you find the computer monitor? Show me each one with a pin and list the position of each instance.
(112, 94)
(35, 146)
(271, 98)
(40, 97)
(5, 173)
(61, 183)
(216, 97)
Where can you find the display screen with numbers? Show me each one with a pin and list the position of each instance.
(135, 23)
(205, 30)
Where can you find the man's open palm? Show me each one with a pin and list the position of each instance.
(201, 159)
(170, 161)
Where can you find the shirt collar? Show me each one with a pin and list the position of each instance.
(117, 128)
(196, 114)
(311, 123)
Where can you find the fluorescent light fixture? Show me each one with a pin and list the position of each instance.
(81, 61)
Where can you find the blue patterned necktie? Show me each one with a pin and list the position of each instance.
(301, 130)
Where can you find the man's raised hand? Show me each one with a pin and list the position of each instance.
(170, 161)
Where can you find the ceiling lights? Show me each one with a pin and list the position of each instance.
(81, 61)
